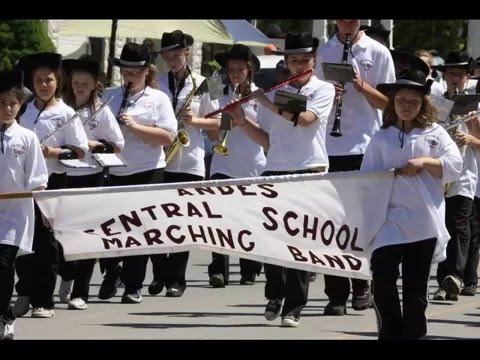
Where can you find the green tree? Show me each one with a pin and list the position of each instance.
(441, 35)
(22, 37)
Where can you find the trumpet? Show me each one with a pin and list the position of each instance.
(221, 148)
(182, 139)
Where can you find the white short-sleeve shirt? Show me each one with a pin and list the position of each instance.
(48, 121)
(245, 157)
(301, 147)
(190, 159)
(23, 168)
(416, 209)
(373, 63)
(103, 126)
(149, 108)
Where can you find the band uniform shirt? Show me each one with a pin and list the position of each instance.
(103, 126)
(302, 147)
(245, 157)
(23, 169)
(360, 120)
(51, 119)
(190, 159)
(466, 185)
(149, 108)
(416, 210)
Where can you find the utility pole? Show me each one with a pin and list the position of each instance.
(111, 52)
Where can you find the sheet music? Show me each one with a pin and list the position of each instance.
(110, 160)
(77, 163)
(444, 107)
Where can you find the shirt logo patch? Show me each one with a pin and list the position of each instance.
(366, 63)
(147, 104)
(92, 125)
(18, 149)
(431, 140)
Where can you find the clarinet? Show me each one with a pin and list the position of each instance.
(336, 132)
(123, 106)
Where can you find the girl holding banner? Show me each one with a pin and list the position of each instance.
(414, 234)
(295, 142)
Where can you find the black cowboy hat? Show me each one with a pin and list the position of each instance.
(176, 39)
(378, 30)
(29, 63)
(11, 79)
(401, 55)
(457, 59)
(238, 52)
(408, 79)
(299, 43)
(83, 65)
(133, 55)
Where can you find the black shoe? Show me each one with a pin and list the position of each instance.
(217, 281)
(156, 287)
(273, 308)
(173, 292)
(469, 290)
(248, 280)
(363, 300)
(110, 283)
(134, 298)
(335, 310)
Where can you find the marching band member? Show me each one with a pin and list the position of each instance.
(245, 158)
(46, 113)
(148, 125)
(414, 233)
(291, 150)
(190, 104)
(360, 118)
(23, 169)
(460, 194)
(103, 135)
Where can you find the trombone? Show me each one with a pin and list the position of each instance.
(226, 126)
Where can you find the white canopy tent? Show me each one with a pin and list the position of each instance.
(211, 31)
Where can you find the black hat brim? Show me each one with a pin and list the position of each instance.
(188, 42)
(386, 89)
(314, 47)
(137, 64)
(222, 58)
(414, 61)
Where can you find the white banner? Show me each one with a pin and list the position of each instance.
(316, 222)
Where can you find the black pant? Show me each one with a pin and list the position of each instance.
(470, 276)
(134, 267)
(37, 273)
(7, 277)
(170, 269)
(416, 261)
(80, 271)
(220, 263)
(458, 210)
(291, 284)
(338, 288)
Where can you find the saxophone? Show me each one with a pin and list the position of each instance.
(182, 139)
(221, 148)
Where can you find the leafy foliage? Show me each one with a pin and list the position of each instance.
(22, 37)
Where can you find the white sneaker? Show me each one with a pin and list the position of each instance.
(290, 321)
(65, 291)
(7, 330)
(40, 312)
(77, 304)
(21, 306)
